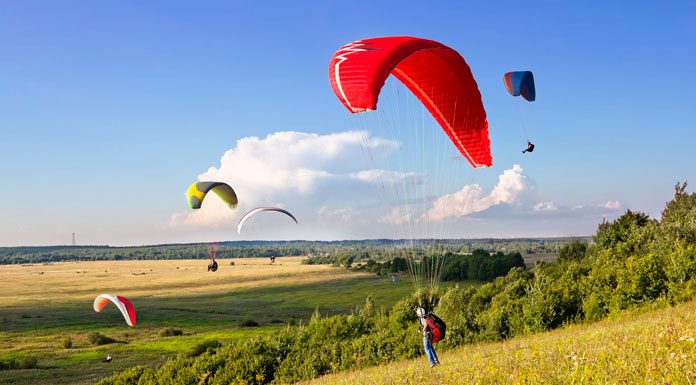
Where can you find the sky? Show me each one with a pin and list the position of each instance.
(110, 109)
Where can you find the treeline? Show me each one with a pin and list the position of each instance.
(633, 261)
(317, 251)
(480, 265)
(21, 255)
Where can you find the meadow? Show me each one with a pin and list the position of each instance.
(43, 304)
(640, 347)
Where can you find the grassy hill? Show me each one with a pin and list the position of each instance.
(655, 347)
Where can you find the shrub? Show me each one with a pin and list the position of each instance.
(67, 343)
(170, 332)
(24, 363)
(8, 365)
(250, 323)
(204, 347)
(97, 338)
(573, 250)
(128, 376)
(28, 363)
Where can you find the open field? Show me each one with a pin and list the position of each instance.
(656, 347)
(42, 304)
(531, 259)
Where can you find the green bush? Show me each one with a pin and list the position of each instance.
(24, 363)
(250, 323)
(573, 250)
(8, 365)
(170, 332)
(204, 347)
(97, 338)
(67, 343)
(28, 363)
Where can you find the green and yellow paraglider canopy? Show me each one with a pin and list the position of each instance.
(198, 190)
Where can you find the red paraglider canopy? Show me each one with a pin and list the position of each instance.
(435, 73)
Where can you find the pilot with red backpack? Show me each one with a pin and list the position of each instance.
(433, 331)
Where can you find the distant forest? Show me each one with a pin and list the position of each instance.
(380, 249)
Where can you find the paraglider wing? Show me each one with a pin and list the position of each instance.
(520, 83)
(198, 190)
(122, 303)
(435, 73)
(258, 210)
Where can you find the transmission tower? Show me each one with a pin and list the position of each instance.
(73, 239)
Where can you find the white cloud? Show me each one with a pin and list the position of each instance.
(378, 176)
(397, 216)
(345, 214)
(287, 167)
(213, 213)
(333, 187)
(545, 206)
(512, 184)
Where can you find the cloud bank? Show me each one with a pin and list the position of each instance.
(330, 184)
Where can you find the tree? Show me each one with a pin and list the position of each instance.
(574, 250)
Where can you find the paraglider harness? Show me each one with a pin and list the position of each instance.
(436, 327)
(530, 147)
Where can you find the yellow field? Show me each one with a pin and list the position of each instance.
(43, 304)
(74, 281)
(657, 347)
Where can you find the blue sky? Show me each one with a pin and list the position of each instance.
(108, 110)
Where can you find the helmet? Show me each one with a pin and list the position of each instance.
(420, 312)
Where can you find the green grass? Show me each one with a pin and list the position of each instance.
(38, 329)
(652, 347)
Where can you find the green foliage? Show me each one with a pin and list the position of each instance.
(28, 363)
(8, 365)
(135, 375)
(170, 331)
(626, 234)
(678, 224)
(67, 343)
(96, 338)
(204, 347)
(480, 265)
(573, 250)
(250, 323)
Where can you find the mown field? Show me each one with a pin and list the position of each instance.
(655, 347)
(43, 304)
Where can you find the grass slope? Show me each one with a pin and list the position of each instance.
(655, 347)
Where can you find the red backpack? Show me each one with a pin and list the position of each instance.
(437, 327)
